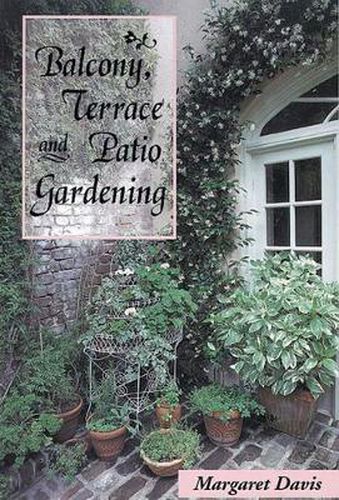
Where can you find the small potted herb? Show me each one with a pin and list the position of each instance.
(167, 452)
(109, 422)
(223, 409)
(168, 407)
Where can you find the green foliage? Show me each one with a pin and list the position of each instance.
(282, 329)
(172, 445)
(145, 304)
(67, 461)
(22, 430)
(43, 387)
(109, 412)
(4, 487)
(45, 375)
(248, 42)
(154, 300)
(225, 400)
(170, 394)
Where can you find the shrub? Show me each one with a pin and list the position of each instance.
(224, 400)
(22, 430)
(45, 375)
(172, 445)
(282, 330)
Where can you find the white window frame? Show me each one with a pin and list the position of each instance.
(256, 112)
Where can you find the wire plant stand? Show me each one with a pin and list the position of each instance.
(134, 383)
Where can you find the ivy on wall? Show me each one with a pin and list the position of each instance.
(247, 43)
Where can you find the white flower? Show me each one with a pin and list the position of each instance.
(165, 265)
(130, 311)
(129, 271)
(119, 272)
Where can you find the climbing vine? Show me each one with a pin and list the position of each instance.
(247, 43)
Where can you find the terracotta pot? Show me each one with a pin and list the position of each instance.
(108, 444)
(167, 415)
(223, 433)
(163, 469)
(292, 414)
(70, 422)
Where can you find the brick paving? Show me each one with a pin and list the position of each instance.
(259, 448)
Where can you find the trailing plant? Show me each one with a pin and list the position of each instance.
(282, 329)
(172, 445)
(224, 401)
(140, 309)
(247, 42)
(169, 395)
(21, 430)
(67, 461)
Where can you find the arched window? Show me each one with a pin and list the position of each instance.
(290, 166)
(318, 105)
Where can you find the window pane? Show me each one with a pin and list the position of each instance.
(277, 183)
(298, 114)
(329, 88)
(308, 179)
(308, 226)
(278, 226)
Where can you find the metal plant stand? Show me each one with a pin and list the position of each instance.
(134, 383)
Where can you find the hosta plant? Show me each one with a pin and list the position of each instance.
(282, 328)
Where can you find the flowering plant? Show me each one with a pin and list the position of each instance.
(151, 301)
(248, 42)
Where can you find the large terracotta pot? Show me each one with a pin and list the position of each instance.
(70, 422)
(108, 444)
(292, 414)
(167, 415)
(163, 469)
(223, 433)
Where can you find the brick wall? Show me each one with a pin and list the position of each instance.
(64, 275)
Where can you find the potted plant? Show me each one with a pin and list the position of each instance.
(109, 422)
(168, 407)
(141, 311)
(223, 410)
(167, 452)
(49, 379)
(282, 332)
